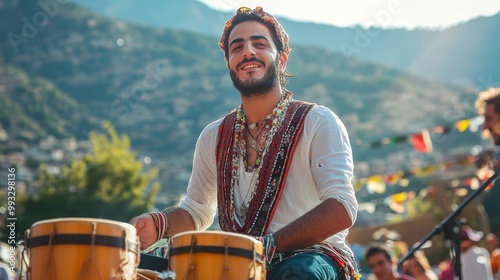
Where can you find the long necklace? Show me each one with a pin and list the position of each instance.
(239, 149)
(242, 211)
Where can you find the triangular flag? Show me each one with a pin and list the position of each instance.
(422, 141)
(462, 125)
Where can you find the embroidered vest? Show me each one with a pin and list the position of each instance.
(272, 174)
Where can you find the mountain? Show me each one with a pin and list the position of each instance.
(462, 54)
(35, 107)
(162, 86)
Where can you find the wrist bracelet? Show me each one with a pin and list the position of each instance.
(270, 248)
(161, 223)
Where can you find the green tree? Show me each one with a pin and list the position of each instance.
(108, 183)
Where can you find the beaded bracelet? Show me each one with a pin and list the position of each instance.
(161, 222)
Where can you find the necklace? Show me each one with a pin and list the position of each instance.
(242, 211)
(257, 124)
(239, 150)
(258, 148)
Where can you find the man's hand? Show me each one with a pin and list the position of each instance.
(146, 230)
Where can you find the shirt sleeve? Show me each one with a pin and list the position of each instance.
(201, 195)
(331, 159)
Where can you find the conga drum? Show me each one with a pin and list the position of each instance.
(215, 255)
(82, 249)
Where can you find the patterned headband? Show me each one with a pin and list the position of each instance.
(269, 19)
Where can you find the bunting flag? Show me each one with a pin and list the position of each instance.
(422, 141)
(399, 187)
(462, 125)
(473, 124)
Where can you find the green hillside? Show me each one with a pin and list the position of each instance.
(32, 107)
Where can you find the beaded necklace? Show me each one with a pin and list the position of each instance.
(239, 148)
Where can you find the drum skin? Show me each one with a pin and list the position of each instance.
(215, 255)
(56, 261)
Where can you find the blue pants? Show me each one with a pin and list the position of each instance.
(304, 266)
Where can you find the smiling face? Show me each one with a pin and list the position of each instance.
(254, 62)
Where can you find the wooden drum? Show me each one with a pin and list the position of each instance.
(82, 248)
(216, 255)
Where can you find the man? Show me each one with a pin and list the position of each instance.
(488, 105)
(382, 265)
(275, 168)
(418, 267)
(475, 260)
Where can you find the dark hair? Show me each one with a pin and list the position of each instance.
(376, 250)
(239, 18)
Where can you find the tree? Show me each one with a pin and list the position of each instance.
(108, 183)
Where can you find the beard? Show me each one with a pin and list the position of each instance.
(253, 86)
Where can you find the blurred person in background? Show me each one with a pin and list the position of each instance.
(382, 265)
(475, 260)
(492, 243)
(418, 267)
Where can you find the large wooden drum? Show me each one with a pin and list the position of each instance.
(215, 255)
(82, 249)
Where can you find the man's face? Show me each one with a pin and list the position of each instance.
(380, 266)
(253, 60)
(492, 123)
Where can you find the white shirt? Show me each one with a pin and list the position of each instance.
(322, 168)
(476, 264)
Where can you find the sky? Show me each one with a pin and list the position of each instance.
(409, 14)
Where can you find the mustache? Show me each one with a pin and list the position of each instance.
(245, 60)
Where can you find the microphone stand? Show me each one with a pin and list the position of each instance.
(451, 229)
